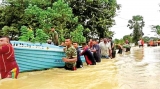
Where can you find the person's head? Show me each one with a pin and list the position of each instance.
(101, 40)
(4, 40)
(52, 29)
(75, 44)
(94, 41)
(110, 38)
(84, 45)
(68, 41)
(105, 40)
(90, 40)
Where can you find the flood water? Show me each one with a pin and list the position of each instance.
(138, 69)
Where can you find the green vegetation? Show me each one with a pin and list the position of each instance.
(28, 19)
(156, 29)
(137, 24)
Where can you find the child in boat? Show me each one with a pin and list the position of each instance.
(88, 55)
(79, 63)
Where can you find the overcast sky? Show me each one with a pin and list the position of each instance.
(149, 9)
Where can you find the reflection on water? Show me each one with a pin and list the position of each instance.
(138, 69)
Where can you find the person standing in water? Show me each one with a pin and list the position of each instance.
(54, 36)
(105, 48)
(139, 43)
(142, 42)
(96, 51)
(90, 43)
(79, 63)
(88, 55)
(8, 65)
(71, 55)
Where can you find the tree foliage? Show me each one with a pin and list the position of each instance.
(10, 31)
(94, 16)
(41, 36)
(77, 35)
(127, 37)
(137, 24)
(156, 29)
(26, 34)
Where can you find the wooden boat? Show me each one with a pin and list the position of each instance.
(36, 56)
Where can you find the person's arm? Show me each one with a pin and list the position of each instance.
(74, 56)
(94, 49)
(83, 52)
(64, 49)
(113, 45)
(4, 49)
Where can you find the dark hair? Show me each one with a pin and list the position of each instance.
(6, 38)
(110, 37)
(83, 44)
(94, 39)
(75, 42)
(68, 38)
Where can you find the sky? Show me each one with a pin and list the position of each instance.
(149, 9)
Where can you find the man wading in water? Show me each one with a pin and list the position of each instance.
(71, 55)
(79, 63)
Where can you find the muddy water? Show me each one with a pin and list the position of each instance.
(138, 69)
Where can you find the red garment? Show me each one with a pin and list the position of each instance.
(90, 44)
(142, 42)
(7, 61)
(88, 61)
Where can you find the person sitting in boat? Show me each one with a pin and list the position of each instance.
(88, 55)
(54, 36)
(79, 63)
(71, 55)
(49, 41)
(8, 65)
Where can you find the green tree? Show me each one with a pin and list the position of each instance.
(95, 15)
(146, 39)
(26, 34)
(137, 24)
(156, 29)
(41, 36)
(127, 37)
(77, 35)
(57, 16)
(10, 31)
(119, 41)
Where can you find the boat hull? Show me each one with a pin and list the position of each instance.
(30, 59)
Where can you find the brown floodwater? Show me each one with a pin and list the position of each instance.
(138, 69)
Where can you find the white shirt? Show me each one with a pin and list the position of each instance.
(105, 47)
(139, 42)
